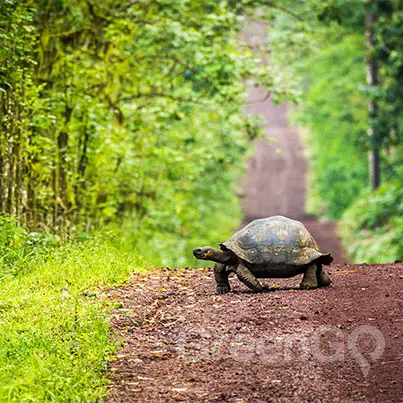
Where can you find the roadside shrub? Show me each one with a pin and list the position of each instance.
(372, 227)
(20, 249)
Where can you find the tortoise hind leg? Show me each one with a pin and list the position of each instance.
(221, 278)
(246, 276)
(323, 279)
(310, 279)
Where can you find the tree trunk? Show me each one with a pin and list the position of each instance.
(19, 133)
(11, 155)
(2, 151)
(81, 168)
(62, 172)
(372, 82)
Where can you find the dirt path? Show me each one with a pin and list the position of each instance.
(184, 343)
(275, 182)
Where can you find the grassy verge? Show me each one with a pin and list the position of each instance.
(54, 334)
(55, 338)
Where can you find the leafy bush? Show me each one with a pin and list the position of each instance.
(186, 194)
(20, 249)
(167, 239)
(375, 209)
(373, 226)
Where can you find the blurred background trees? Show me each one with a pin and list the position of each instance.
(348, 59)
(130, 113)
(114, 110)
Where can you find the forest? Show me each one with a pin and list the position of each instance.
(123, 138)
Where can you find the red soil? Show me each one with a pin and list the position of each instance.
(184, 343)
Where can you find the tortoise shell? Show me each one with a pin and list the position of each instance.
(276, 240)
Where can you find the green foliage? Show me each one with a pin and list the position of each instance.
(328, 59)
(335, 111)
(323, 43)
(54, 329)
(389, 55)
(131, 106)
(373, 226)
(193, 201)
(20, 249)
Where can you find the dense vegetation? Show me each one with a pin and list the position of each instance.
(122, 130)
(123, 110)
(326, 45)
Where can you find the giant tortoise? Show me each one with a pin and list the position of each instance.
(269, 247)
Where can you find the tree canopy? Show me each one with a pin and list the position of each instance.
(122, 109)
(323, 46)
(131, 113)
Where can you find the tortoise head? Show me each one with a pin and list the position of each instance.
(204, 253)
(220, 256)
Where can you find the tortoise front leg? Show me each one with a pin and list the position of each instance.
(221, 277)
(246, 276)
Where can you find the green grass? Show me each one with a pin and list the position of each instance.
(54, 340)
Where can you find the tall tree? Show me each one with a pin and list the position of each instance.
(372, 67)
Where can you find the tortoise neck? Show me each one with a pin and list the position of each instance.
(225, 257)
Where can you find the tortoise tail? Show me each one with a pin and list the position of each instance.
(326, 259)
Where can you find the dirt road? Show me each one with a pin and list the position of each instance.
(184, 343)
(275, 182)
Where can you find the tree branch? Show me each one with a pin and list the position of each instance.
(284, 10)
(160, 95)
